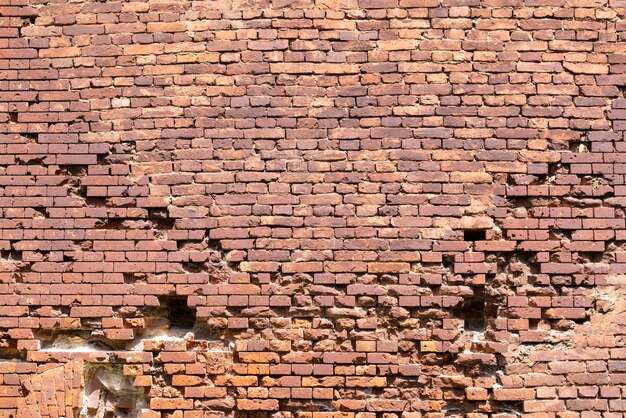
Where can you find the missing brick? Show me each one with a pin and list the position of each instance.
(109, 393)
(96, 201)
(559, 235)
(320, 405)
(9, 351)
(473, 312)
(69, 257)
(110, 223)
(179, 314)
(130, 278)
(77, 170)
(38, 160)
(213, 244)
(102, 159)
(533, 324)
(160, 219)
(447, 260)
(579, 146)
(471, 235)
(590, 257)
(511, 408)
(194, 267)
(8, 256)
(122, 153)
(76, 340)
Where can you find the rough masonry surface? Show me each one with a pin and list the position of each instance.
(312, 208)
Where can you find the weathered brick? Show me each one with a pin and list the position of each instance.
(318, 195)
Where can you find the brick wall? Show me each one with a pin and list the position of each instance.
(313, 208)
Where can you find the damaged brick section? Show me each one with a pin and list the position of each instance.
(312, 209)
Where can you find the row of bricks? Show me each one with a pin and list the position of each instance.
(255, 295)
(19, 190)
(51, 284)
(396, 405)
(276, 8)
(398, 261)
(596, 353)
(322, 38)
(188, 283)
(271, 266)
(133, 86)
(521, 325)
(101, 261)
(431, 236)
(430, 250)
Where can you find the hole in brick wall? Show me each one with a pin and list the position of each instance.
(12, 355)
(559, 234)
(615, 245)
(73, 340)
(84, 245)
(590, 257)
(13, 117)
(509, 407)
(193, 267)
(578, 146)
(69, 257)
(179, 314)
(158, 214)
(553, 169)
(321, 406)
(475, 234)
(73, 170)
(473, 311)
(524, 202)
(108, 393)
(160, 219)
(110, 224)
(129, 277)
(121, 153)
(206, 333)
(30, 160)
(581, 321)
(473, 315)
(24, 267)
(11, 255)
(162, 225)
(559, 145)
(511, 180)
(214, 244)
(75, 189)
(447, 260)
(8, 348)
(40, 213)
(453, 406)
(96, 201)
(102, 159)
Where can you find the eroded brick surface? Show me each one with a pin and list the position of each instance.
(312, 208)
